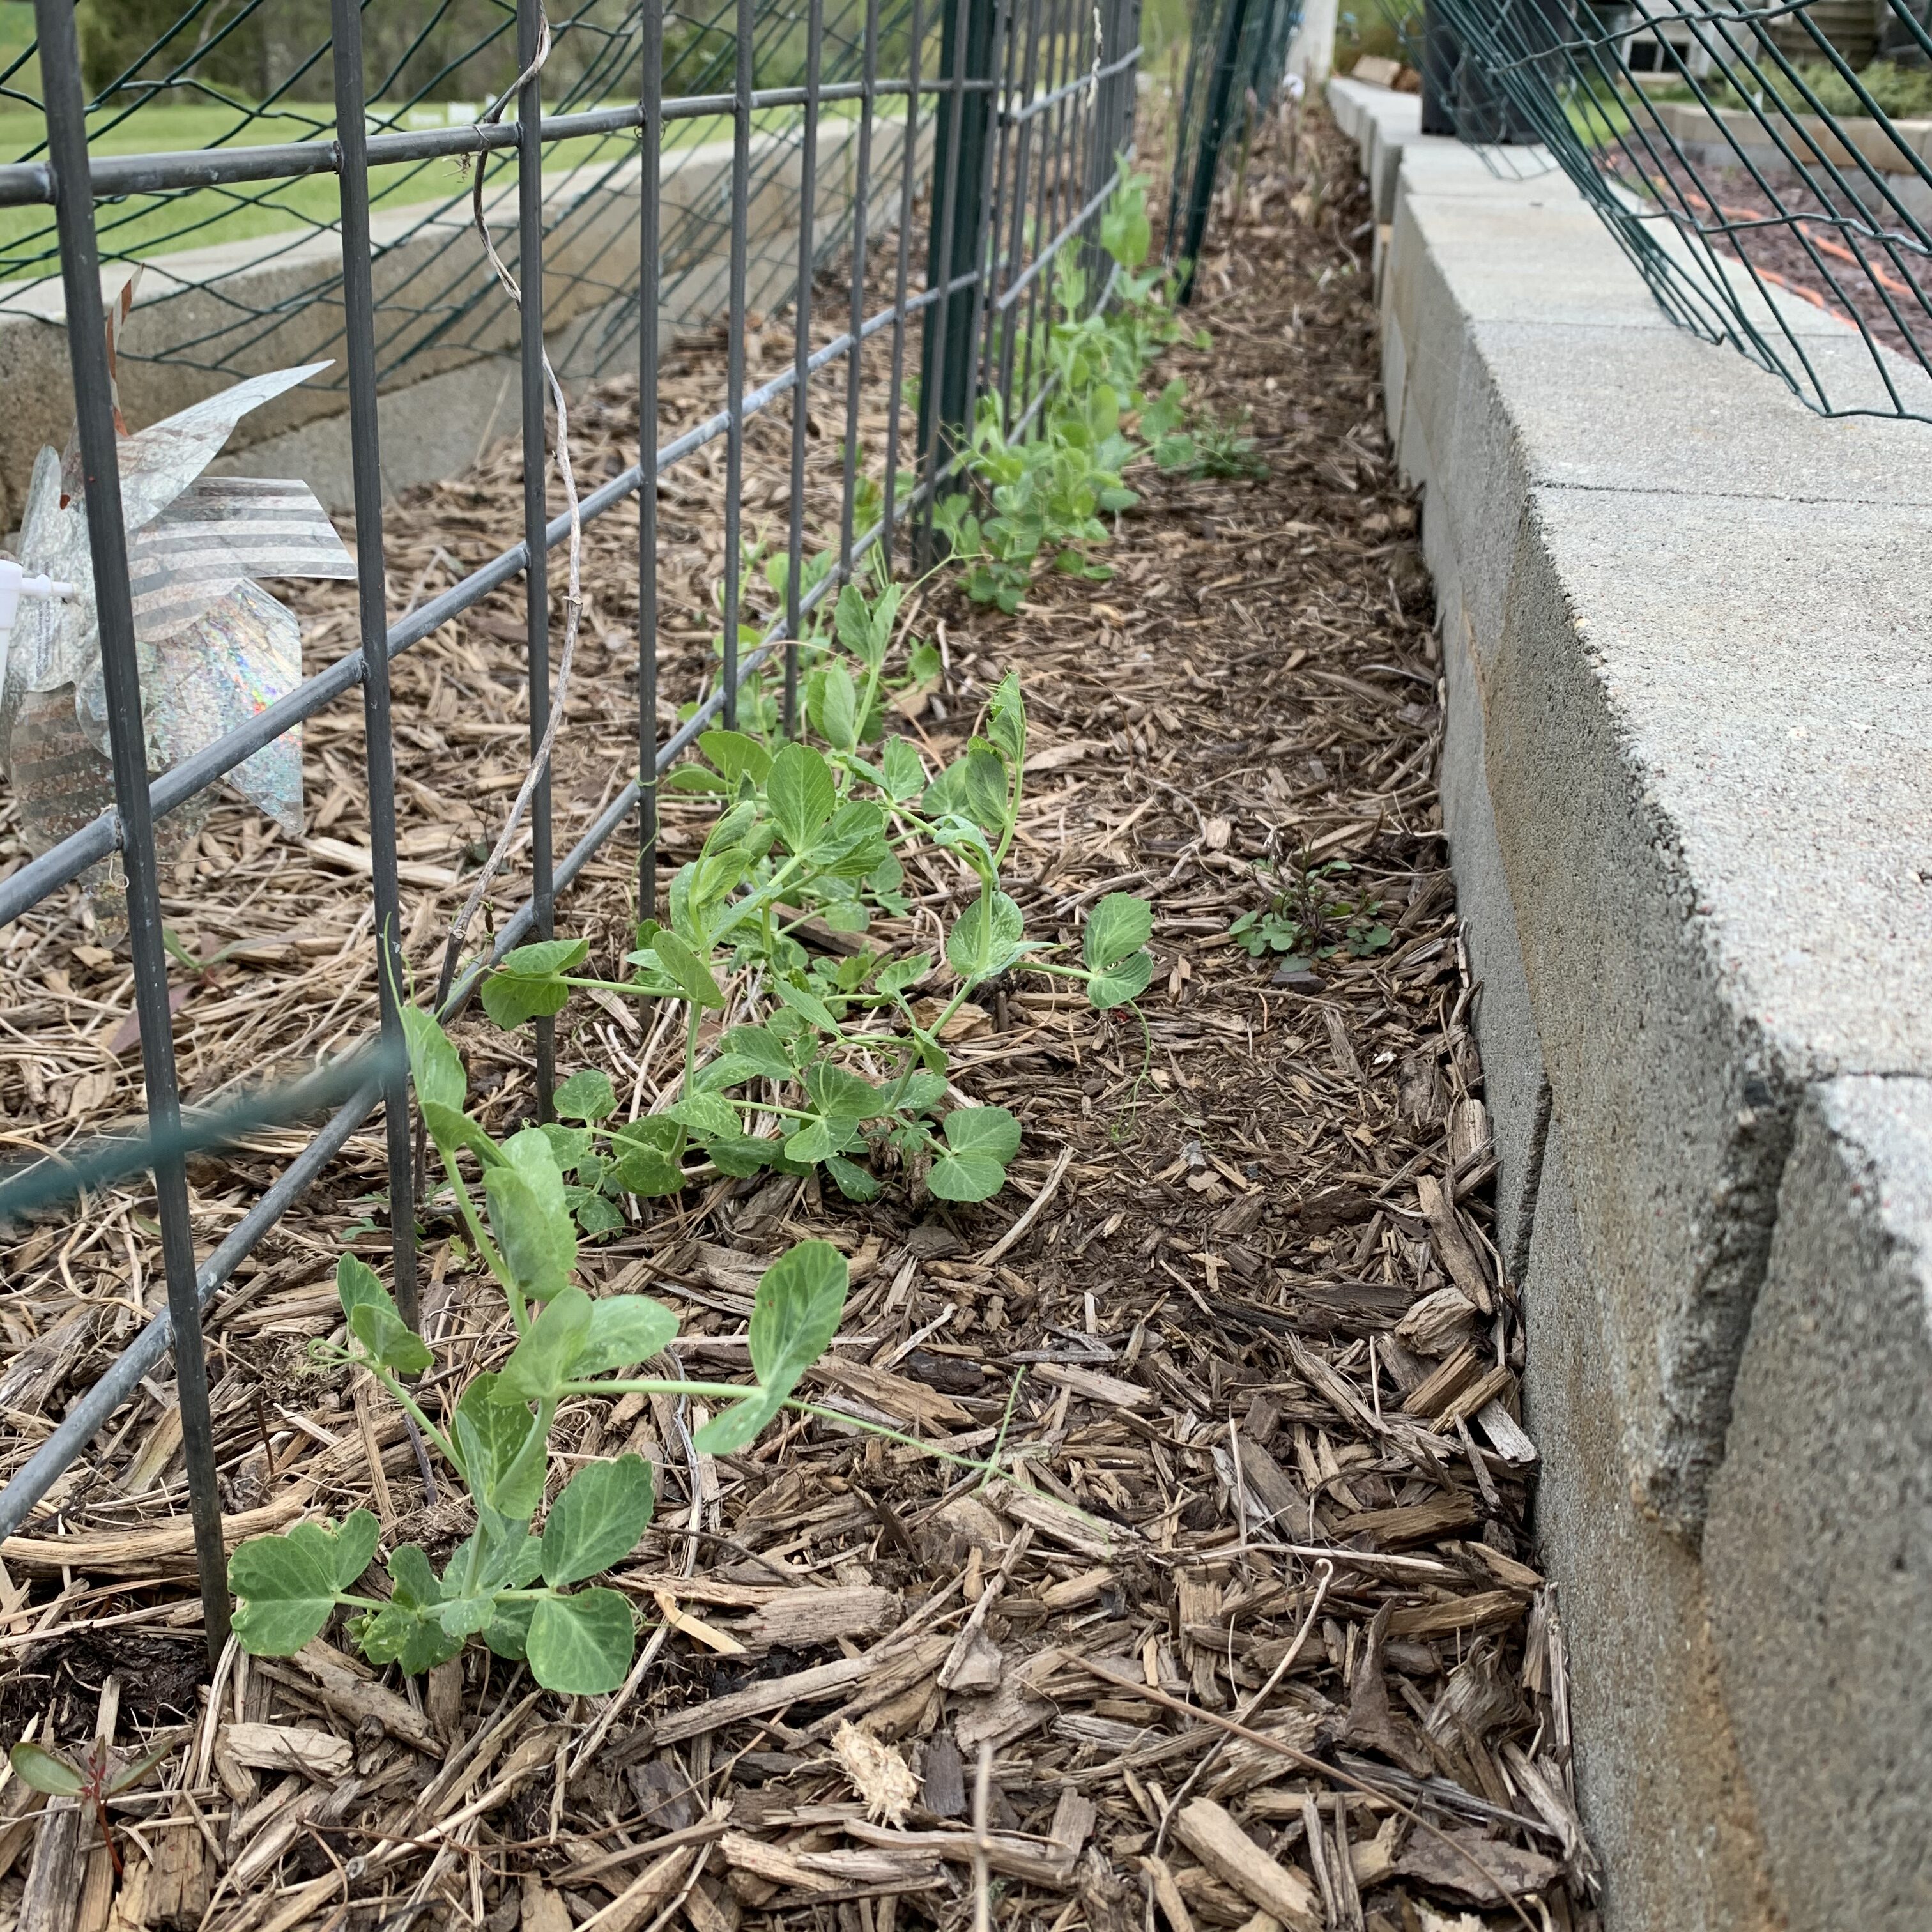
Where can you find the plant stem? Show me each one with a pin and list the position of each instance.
(408, 1402)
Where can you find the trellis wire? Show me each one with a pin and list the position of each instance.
(1746, 160)
(1053, 80)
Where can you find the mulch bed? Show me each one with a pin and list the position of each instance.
(1260, 1638)
(1796, 240)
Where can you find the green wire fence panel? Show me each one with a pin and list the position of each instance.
(246, 276)
(1237, 62)
(1767, 166)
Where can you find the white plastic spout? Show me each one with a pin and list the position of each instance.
(15, 583)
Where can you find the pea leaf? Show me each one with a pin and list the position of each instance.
(596, 1215)
(693, 977)
(581, 1644)
(1005, 722)
(289, 1584)
(434, 1065)
(801, 794)
(415, 1638)
(40, 1770)
(587, 1095)
(920, 1092)
(568, 1146)
(761, 1048)
(598, 1520)
(508, 1634)
(1119, 984)
(854, 1182)
(624, 1329)
(833, 705)
(736, 756)
(904, 769)
(839, 1094)
(1119, 924)
(644, 1156)
(979, 1141)
(985, 938)
(375, 1321)
(707, 1115)
(974, 786)
(546, 1357)
(795, 1314)
(896, 977)
(503, 1448)
(740, 1155)
(530, 1215)
(809, 1004)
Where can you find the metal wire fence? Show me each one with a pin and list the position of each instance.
(1026, 104)
(1237, 62)
(1765, 166)
(250, 278)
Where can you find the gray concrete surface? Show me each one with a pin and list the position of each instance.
(1671, 1814)
(1686, 796)
(1819, 1546)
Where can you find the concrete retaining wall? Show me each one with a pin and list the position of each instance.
(1689, 804)
(445, 338)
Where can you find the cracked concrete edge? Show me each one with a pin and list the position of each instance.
(1670, 1812)
(1792, 1383)
(1818, 1553)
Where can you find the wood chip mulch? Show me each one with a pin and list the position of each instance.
(1255, 1636)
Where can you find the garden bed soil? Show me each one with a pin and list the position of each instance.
(1260, 1639)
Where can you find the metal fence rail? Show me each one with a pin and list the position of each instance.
(1034, 102)
(1766, 171)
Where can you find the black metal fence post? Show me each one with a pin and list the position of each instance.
(366, 463)
(801, 411)
(1213, 132)
(114, 612)
(536, 516)
(957, 246)
(742, 81)
(649, 240)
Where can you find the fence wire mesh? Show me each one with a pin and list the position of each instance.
(1236, 63)
(250, 278)
(1767, 167)
(1007, 119)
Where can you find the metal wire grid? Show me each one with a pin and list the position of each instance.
(1746, 163)
(1035, 103)
(1236, 60)
(450, 305)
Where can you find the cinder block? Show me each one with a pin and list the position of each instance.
(1517, 1095)
(1819, 1551)
(1706, 722)
(1668, 1809)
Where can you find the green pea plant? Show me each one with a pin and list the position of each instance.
(518, 1588)
(840, 1067)
(1306, 916)
(842, 1072)
(1048, 493)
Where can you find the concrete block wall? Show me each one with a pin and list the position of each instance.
(254, 305)
(1689, 805)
